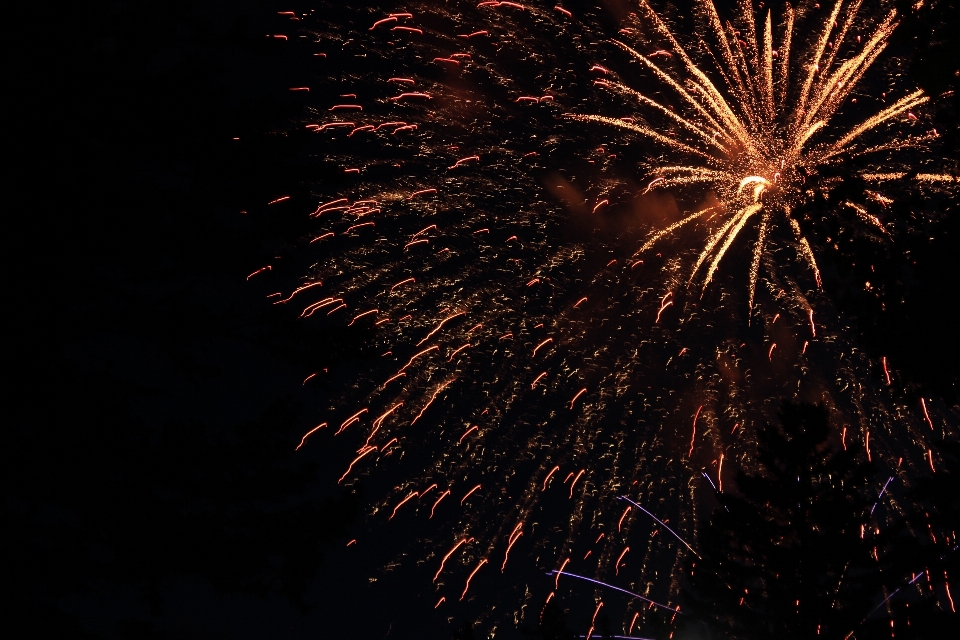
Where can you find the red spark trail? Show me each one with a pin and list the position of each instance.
(575, 482)
(442, 496)
(298, 290)
(355, 461)
(556, 583)
(617, 563)
(433, 348)
(402, 502)
(399, 375)
(432, 398)
(365, 313)
(694, 436)
(308, 433)
(349, 421)
(579, 393)
(401, 283)
(463, 540)
(440, 326)
(926, 415)
(469, 493)
(537, 348)
(538, 379)
(470, 577)
(547, 479)
(720, 474)
(514, 536)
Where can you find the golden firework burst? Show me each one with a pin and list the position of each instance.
(754, 129)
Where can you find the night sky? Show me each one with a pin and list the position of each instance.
(156, 394)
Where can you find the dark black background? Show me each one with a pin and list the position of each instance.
(149, 489)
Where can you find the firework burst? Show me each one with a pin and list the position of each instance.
(756, 136)
(533, 364)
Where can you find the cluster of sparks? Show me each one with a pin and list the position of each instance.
(510, 367)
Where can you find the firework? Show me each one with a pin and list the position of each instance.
(551, 331)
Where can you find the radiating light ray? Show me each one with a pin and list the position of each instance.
(759, 132)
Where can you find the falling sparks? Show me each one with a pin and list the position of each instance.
(446, 244)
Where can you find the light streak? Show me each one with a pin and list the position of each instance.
(514, 536)
(309, 433)
(663, 305)
(458, 350)
(351, 420)
(440, 326)
(389, 380)
(260, 270)
(579, 393)
(693, 436)
(365, 313)
(659, 521)
(654, 603)
(355, 461)
(326, 302)
(575, 482)
(617, 563)
(410, 362)
(462, 541)
(595, 612)
(469, 493)
(403, 502)
(298, 290)
(720, 474)
(434, 507)
(559, 572)
(882, 491)
(547, 479)
(437, 392)
(537, 348)
(467, 432)
(538, 379)
(926, 415)
(470, 577)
